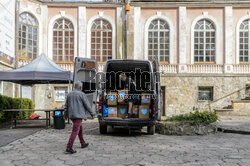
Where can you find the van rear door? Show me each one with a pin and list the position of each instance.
(156, 74)
(85, 71)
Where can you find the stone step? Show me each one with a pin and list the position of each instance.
(231, 112)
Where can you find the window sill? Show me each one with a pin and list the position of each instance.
(244, 63)
(25, 59)
(201, 101)
(164, 63)
(64, 62)
(198, 63)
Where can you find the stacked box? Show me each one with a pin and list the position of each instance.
(143, 111)
(112, 111)
(145, 99)
(122, 95)
(112, 99)
(122, 110)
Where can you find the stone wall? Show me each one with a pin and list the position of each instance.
(242, 107)
(181, 91)
(43, 97)
(178, 128)
(8, 89)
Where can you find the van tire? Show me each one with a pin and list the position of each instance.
(103, 129)
(151, 130)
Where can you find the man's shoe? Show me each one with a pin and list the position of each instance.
(70, 151)
(86, 145)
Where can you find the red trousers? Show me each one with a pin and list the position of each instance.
(76, 130)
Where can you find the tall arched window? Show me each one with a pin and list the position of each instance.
(63, 40)
(244, 41)
(101, 40)
(204, 41)
(28, 31)
(158, 40)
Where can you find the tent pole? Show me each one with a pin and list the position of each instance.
(21, 96)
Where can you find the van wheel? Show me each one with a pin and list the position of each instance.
(103, 129)
(151, 130)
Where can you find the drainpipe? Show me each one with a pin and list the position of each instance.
(125, 29)
(17, 6)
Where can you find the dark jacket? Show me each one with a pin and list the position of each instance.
(130, 85)
(77, 104)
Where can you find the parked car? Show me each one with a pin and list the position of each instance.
(98, 84)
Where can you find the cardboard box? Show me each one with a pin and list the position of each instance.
(112, 98)
(143, 111)
(145, 98)
(122, 95)
(112, 111)
(122, 110)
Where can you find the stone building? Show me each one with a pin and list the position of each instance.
(203, 46)
(7, 43)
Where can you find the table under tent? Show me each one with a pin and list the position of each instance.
(41, 70)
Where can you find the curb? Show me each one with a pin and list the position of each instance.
(233, 131)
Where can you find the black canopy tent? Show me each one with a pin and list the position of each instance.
(42, 70)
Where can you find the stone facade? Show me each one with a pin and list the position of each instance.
(181, 91)
(6, 88)
(242, 107)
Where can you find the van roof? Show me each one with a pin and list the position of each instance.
(127, 60)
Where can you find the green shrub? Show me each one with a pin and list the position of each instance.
(14, 103)
(197, 117)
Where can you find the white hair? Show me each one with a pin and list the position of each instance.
(78, 85)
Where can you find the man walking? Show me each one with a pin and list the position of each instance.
(75, 109)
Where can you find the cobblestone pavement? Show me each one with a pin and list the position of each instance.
(46, 147)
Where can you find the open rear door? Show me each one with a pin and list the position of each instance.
(85, 71)
(156, 74)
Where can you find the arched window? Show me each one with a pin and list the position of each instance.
(204, 41)
(158, 40)
(244, 44)
(28, 31)
(63, 40)
(101, 40)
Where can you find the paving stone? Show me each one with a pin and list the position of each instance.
(47, 147)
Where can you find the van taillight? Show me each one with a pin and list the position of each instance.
(153, 109)
(100, 104)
